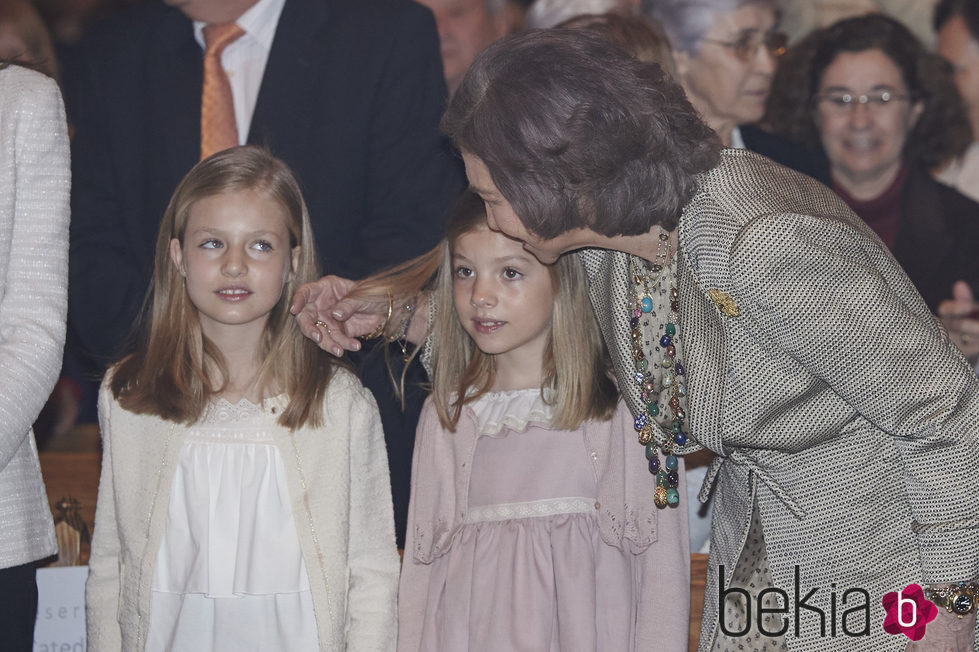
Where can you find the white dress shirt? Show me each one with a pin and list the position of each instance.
(244, 60)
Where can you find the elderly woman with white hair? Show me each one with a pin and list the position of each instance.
(544, 14)
(726, 53)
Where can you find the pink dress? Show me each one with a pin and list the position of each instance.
(526, 566)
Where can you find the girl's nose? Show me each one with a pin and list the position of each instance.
(234, 263)
(482, 294)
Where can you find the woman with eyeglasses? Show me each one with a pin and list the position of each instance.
(886, 112)
(726, 53)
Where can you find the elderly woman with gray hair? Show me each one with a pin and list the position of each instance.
(725, 53)
(843, 418)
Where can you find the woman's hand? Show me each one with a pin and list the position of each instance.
(947, 633)
(959, 315)
(329, 319)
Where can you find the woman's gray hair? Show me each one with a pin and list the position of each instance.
(576, 133)
(494, 7)
(687, 21)
(549, 13)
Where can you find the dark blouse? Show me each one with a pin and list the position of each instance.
(883, 212)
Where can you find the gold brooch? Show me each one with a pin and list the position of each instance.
(724, 301)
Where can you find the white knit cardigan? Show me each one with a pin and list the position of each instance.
(34, 189)
(340, 490)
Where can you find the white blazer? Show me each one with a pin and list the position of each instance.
(34, 190)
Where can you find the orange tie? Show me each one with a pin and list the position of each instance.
(218, 128)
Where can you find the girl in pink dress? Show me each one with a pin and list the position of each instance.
(531, 525)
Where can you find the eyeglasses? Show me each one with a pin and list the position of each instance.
(842, 102)
(746, 46)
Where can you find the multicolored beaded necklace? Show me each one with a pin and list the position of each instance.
(661, 379)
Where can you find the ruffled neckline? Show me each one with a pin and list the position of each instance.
(222, 411)
(515, 410)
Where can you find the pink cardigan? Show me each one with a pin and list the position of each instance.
(627, 519)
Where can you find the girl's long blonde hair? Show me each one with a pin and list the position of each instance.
(576, 381)
(168, 375)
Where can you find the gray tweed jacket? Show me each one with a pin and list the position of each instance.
(834, 401)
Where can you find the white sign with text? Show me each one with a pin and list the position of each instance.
(60, 625)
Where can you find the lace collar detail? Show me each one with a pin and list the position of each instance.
(221, 411)
(514, 410)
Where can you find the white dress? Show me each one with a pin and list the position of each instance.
(230, 574)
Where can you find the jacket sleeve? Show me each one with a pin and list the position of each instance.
(102, 587)
(372, 555)
(33, 294)
(834, 300)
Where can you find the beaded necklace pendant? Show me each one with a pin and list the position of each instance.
(659, 373)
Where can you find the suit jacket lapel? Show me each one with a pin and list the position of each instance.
(175, 83)
(285, 108)
(610, 290)
(703, 336)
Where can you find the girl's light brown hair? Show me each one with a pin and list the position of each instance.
(576, 380)
(175, 369)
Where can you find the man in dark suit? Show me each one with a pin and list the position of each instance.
(350, 97)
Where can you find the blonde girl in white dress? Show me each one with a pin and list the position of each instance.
(245, 500)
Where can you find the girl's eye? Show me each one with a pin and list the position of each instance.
(463, 272)
(211, 243)
(263, 245)
(511, 273)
